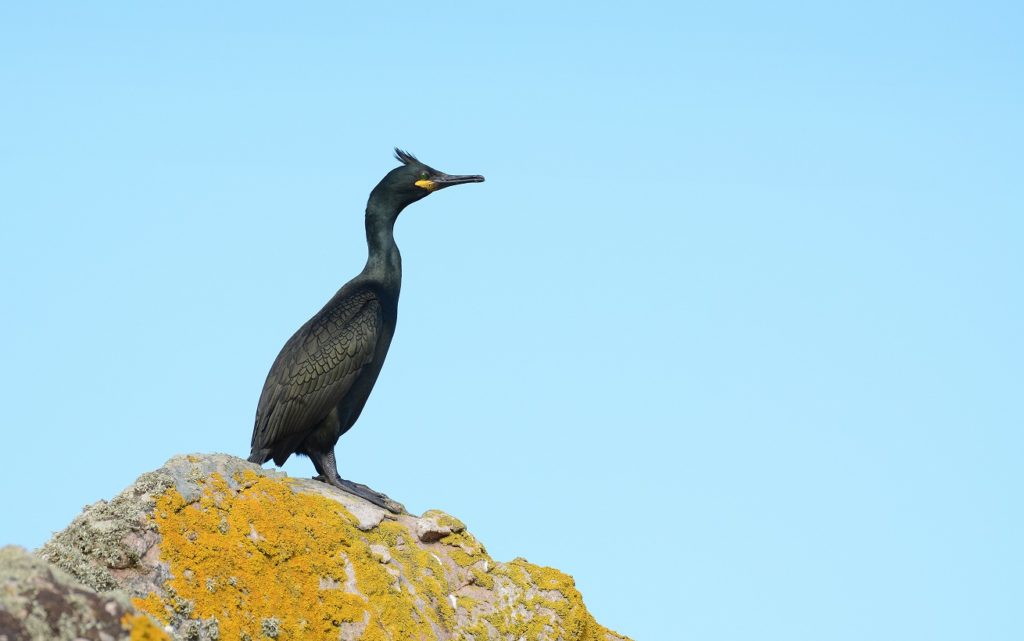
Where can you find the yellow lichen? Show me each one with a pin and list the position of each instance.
(467, 550)
(481, 578)
(262, 552)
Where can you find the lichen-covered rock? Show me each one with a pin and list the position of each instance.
(39, 602)
(218, 548)
(434, 525)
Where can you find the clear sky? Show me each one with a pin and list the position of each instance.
(732, 332)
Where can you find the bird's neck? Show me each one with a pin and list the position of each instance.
(384, 262)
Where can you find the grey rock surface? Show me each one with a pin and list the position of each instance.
(39, 602)
(434, 526)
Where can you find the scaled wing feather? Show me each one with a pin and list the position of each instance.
(317, 367)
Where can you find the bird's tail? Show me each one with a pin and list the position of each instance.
(259, 456)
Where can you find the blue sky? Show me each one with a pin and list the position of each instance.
(731, 333)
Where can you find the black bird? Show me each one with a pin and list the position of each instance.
(320, 381)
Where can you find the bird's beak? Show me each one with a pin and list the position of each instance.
(444, 180)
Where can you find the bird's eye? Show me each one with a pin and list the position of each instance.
(424, 175)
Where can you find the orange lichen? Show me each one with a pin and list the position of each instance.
(153, 605)
(141, 628)
(261, 553)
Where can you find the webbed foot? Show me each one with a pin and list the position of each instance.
(364, 492)
(377, 498)
(325, 464)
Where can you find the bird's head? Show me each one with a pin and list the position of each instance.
(414, 180)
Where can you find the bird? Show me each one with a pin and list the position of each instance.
(321, 379)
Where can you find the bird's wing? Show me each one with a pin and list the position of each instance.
(317, 367)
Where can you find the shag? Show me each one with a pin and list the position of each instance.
(320, 381)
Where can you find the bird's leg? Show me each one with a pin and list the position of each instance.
(327, 466)
(320, 476)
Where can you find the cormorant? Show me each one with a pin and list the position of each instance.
(320, 381)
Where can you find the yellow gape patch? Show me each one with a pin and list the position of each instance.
(429, 185)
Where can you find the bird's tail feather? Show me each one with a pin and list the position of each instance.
(259, 456)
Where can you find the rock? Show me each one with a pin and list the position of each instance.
(214, 547)
(39, 602)
(434, 525)
(380, 553)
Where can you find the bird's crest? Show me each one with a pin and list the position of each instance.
(405, 157)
